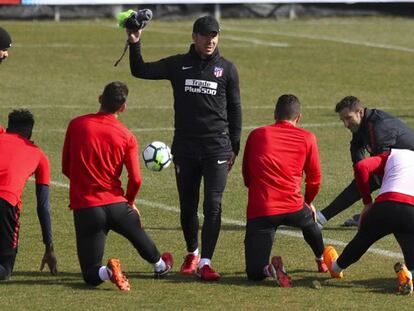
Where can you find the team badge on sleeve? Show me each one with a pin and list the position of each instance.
(218, 71)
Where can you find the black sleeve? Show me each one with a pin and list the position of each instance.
(43, 212)
(357, 150)
(234, 114)
(153, 71)
(386, 136)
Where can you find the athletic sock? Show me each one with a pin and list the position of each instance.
(336, 268)
(203, 262)
(195, 253)
(267, 271)
(104, 273)
(160, 265)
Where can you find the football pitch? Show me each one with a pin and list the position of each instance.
(57, 70)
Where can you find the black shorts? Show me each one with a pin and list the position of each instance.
(9, 228)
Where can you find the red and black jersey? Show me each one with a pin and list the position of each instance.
(19, 159)
(96, 148)
(275, 159)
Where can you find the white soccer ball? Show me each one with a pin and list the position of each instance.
(157, 156)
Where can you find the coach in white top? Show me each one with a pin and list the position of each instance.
(392, 211)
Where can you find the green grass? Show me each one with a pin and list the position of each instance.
(59, 69)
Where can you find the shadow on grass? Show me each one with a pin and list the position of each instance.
(67, 279)
(384, 286)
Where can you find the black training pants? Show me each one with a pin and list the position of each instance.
(92, 226)
(384, 218)
(189, 173)
(9, 237)
(347, 197)
(260, 234)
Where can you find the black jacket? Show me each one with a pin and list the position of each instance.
(206, 100)
(379, 132)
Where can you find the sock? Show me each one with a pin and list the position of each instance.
(104, 273)
(195, 253)
(267, 271)
(336, 268)
(160, 265)
(203, 262)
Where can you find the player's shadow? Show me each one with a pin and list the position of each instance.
(43, 278)
(384, 286)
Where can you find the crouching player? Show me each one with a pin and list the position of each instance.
(19, 159)
(392, 212)
(275, 158)
(96, 148)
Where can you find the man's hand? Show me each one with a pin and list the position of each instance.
(313, 210)
(49, 258)
(133, 37)
(231, 161)
(364, 212)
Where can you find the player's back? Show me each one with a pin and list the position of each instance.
(19, 160)
(95, 148)
(277, 156)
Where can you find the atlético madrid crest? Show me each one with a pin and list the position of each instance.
(218, 71)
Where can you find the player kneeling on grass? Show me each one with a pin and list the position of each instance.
(392, 212)
(19, 159)
(96, 148)
(275, 158)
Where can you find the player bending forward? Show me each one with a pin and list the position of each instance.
(96, 148)
(392, 212)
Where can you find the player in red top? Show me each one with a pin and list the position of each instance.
(275, 158)
(96, 148)
(19, 159)
(392, 212)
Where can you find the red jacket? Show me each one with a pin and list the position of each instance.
(96, 148)
(275, 158)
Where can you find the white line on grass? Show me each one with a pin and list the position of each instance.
(171, 129)
(325, 38)
(170, 107)
(239, 223)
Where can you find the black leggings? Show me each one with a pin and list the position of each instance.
(92, 226)
(347, 197)
(260, 234)
(189, 173)
(384, 218)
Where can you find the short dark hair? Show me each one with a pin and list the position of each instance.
(350, 102)
(287, 107)
(114, 96)
(21, 121)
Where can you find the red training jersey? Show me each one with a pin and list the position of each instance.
(19, 159)
(96, 148)
(2, 129)
(275, 158)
